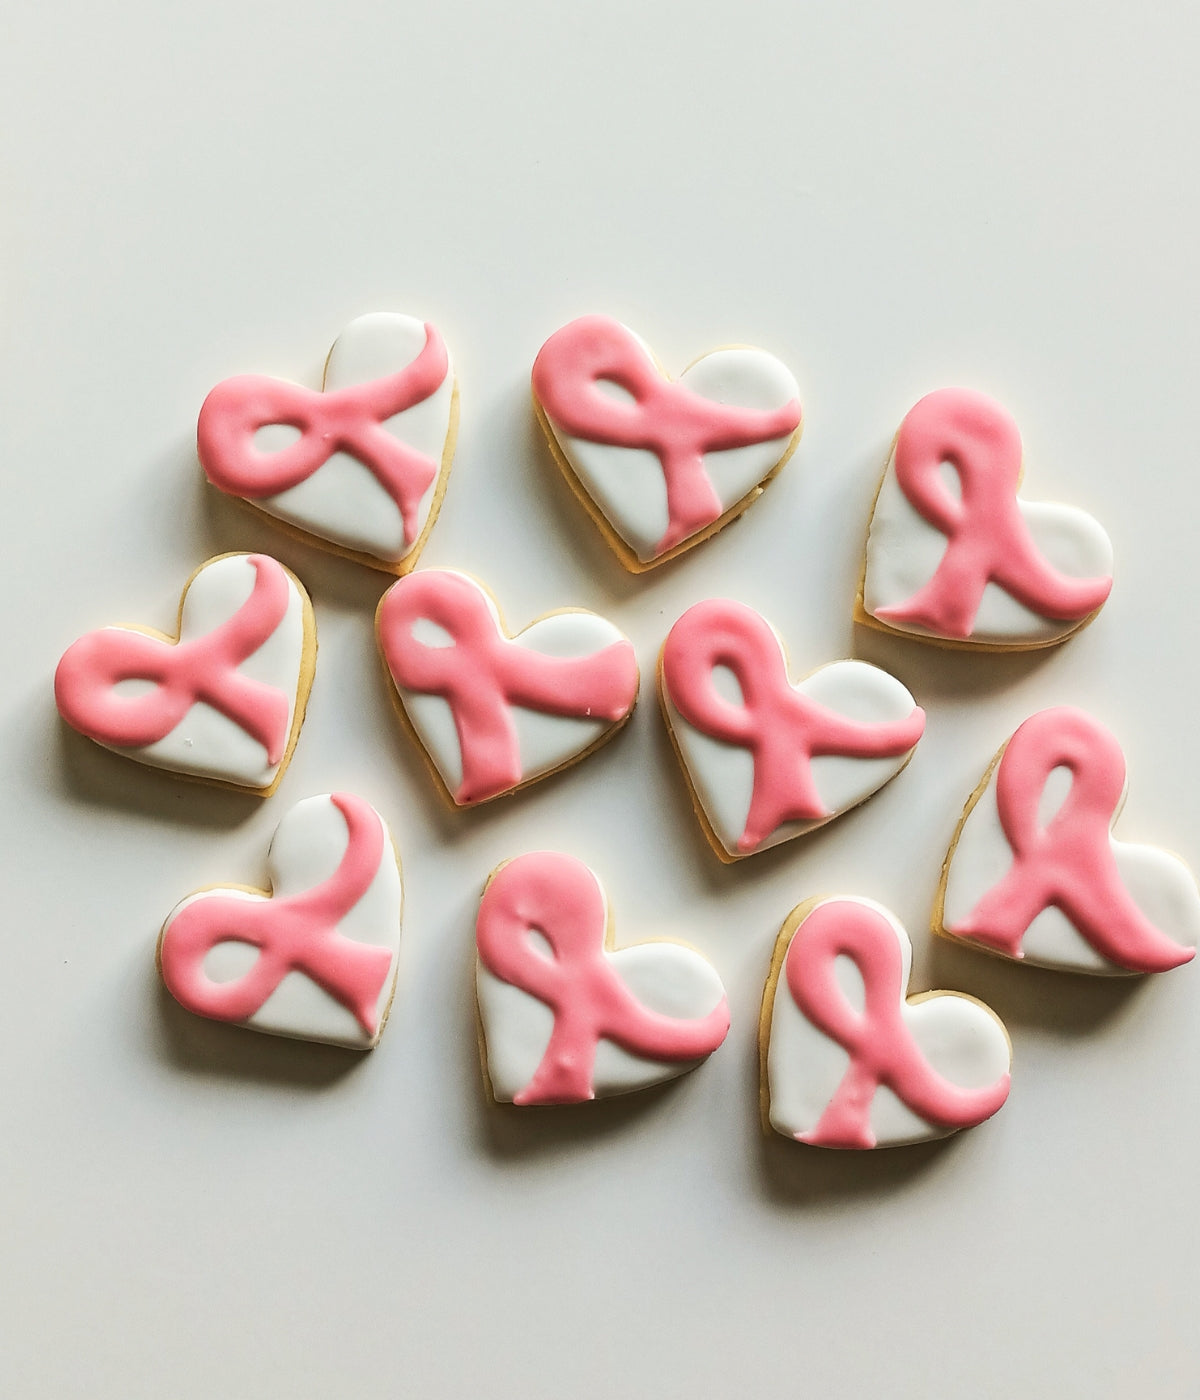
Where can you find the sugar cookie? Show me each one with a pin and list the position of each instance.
(314, 956)
(494, 712)
(224, 699)
(359, 468)
(564, 1016)
(661, 464)
(767, 758)
(1035, 873)
(954, 556)
(848, 1059)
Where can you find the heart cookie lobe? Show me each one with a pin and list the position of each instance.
(494, 712)
(360, 467)
(1034, 872)
(222, 700)
(768, 759)
(954, 556)
(565, 1017)
(312, 957)
(848, 1060)
(661, 464)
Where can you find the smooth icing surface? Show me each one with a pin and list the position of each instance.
(663, 460)
(954, 553)
(850, 1063)
(358, 464)
(219, 703)
(767, 759)
(566, 1019)
(1036, 874)
(495, 712)
(316, 960)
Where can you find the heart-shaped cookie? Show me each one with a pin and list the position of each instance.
(661, 464)
(848, 1059)
(768, 759)
(314, 956)
(1034, 872)
(955, 557)
(224, 699)
(359, 468)
(564, 1016)
(494, 712)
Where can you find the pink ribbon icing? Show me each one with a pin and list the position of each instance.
(346, 420)
(560, 898)
(782, 728)
(987, 539)
(484, 673)
(294, 934)
(204, 669)
(666, 417)
(882, 1049)
(1069, 863)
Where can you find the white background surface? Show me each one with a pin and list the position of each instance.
(892, 198)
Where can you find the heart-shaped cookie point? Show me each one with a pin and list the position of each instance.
(848, 1059)
(221, 701)
(495, 712)
(360, 467)
(1034, 872)
(313, 956)
(566, 1017)
(766, 758)
(661, 464)
(954, 556)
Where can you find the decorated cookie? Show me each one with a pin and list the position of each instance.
(565, 1016)
(661, 464)
(1035, 873)
(848, 1059)
(956, 557)
(223, 700)
(494, 712)
(312, 957)
(767, 758)
(360, 468)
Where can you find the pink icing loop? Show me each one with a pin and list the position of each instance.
(782, 728)
(666, 417)
(484, 674)
(559, 898)
(346, 420)
(881, 1047)
(987, 539)
(294, 934)
(203, 670)
(1069, 863)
